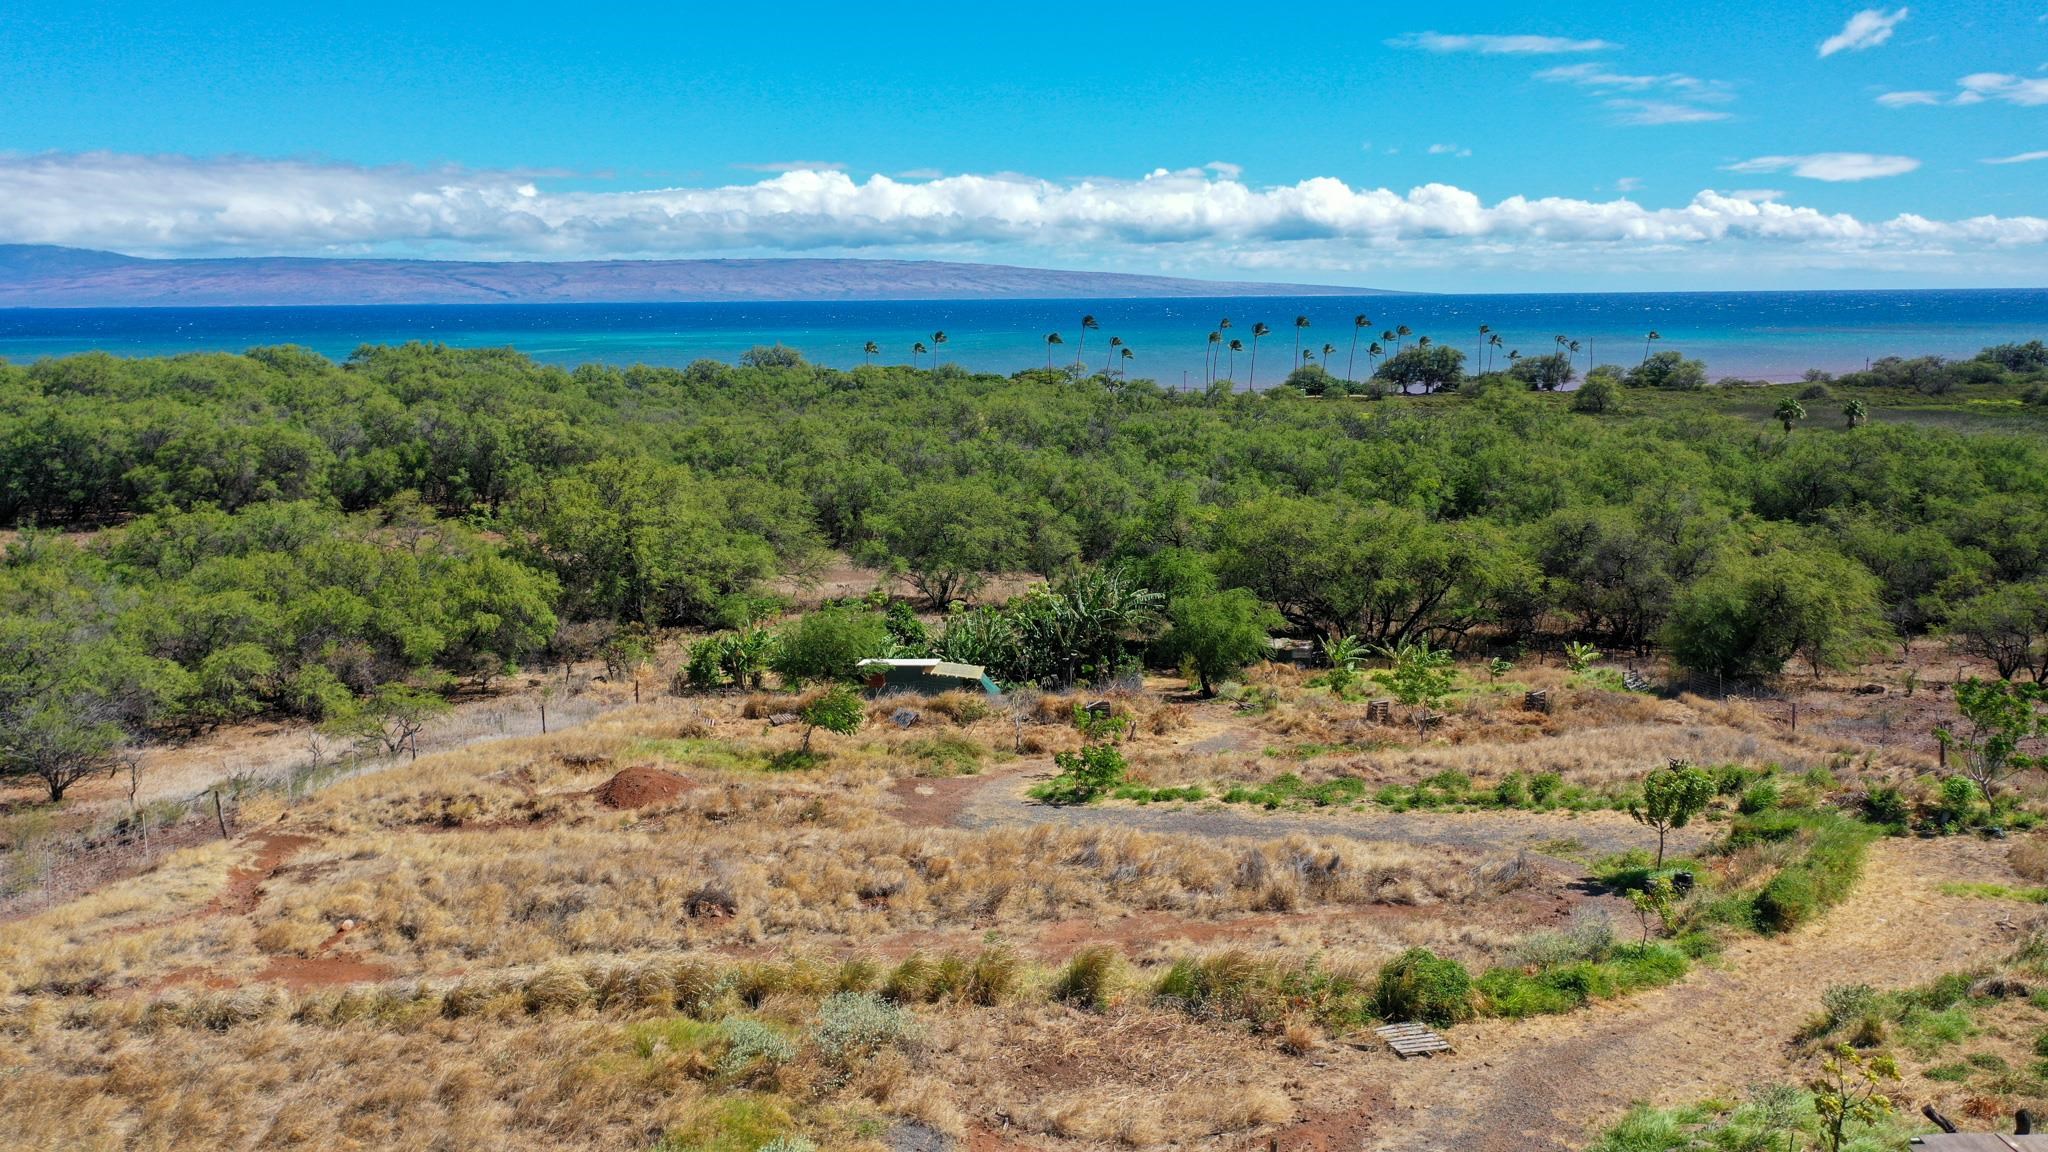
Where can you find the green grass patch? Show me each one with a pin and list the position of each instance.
(1145, 795)
(1832, 848)
(945, 754)
(708, 753)
(1519, 992)
(1987, 891)
(1289, 790)
(740, 1122)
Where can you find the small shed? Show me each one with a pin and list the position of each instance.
(1300, 653)
(924, 677)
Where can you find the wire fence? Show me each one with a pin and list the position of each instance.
(45, 866)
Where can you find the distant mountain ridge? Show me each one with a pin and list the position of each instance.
(44, 276)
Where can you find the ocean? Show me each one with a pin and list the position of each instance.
(1767, 335)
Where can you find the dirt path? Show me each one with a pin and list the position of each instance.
(998, 799)
(1546, 1083)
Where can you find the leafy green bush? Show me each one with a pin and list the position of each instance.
(1420, 985)
(1084, 776)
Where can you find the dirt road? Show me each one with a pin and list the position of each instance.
(1545, 1083)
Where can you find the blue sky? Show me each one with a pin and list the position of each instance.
(1482, 147)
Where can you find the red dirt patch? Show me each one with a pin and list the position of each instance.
(299, 973)
(641, 787)
(245, 884)
(1336, 1131)
(936, 802)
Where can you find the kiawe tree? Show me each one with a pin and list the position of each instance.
(1219, 633)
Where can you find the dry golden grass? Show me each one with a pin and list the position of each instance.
(558, 971)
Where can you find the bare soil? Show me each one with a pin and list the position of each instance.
(642, 787)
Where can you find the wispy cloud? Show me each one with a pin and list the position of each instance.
(1491, 45)
(1648, 112)
(1188, 217)
(1659, 98)
(793, 166)
(1831, 166)
(1448, 150)
(2021, 158)
(1629, 184)
(1981, 86)
(1977, 88)
(1866, 29)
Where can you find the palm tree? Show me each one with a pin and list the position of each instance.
(1236, 346)
(1115, 342)
(1127, 354)
(1652, 338)
(1403, 331)
(1560, 341)
(1088, 325)
(1209, 365)
(1258, 330)
(868, 350)
(1572, 350)
(1480, 357)
(1373, 351)
(1423, 342)
(916, 350)
(938, 338)
(1329, 350)
(1351, 365)
(1300, 322)
(1492, 342)
(1789, 412)
(1051, 338)
(1856, 413)
(1514, 354)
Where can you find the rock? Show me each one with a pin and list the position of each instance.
(910, 1136)
(1870, 689)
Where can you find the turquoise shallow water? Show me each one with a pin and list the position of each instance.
(1752, 334)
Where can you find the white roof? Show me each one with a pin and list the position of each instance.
(936, 667)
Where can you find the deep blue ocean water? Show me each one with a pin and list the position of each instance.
(1773, 335)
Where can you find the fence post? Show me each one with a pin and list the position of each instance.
(220, 815)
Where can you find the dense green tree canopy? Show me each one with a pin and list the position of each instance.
(280, 531)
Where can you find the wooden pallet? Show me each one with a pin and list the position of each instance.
(1412, 1039)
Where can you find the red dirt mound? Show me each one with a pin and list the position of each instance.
(641, 787)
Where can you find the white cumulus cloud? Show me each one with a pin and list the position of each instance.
(1490, 45)
(1187, 219)
(1866, 29)
(1833, 166)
